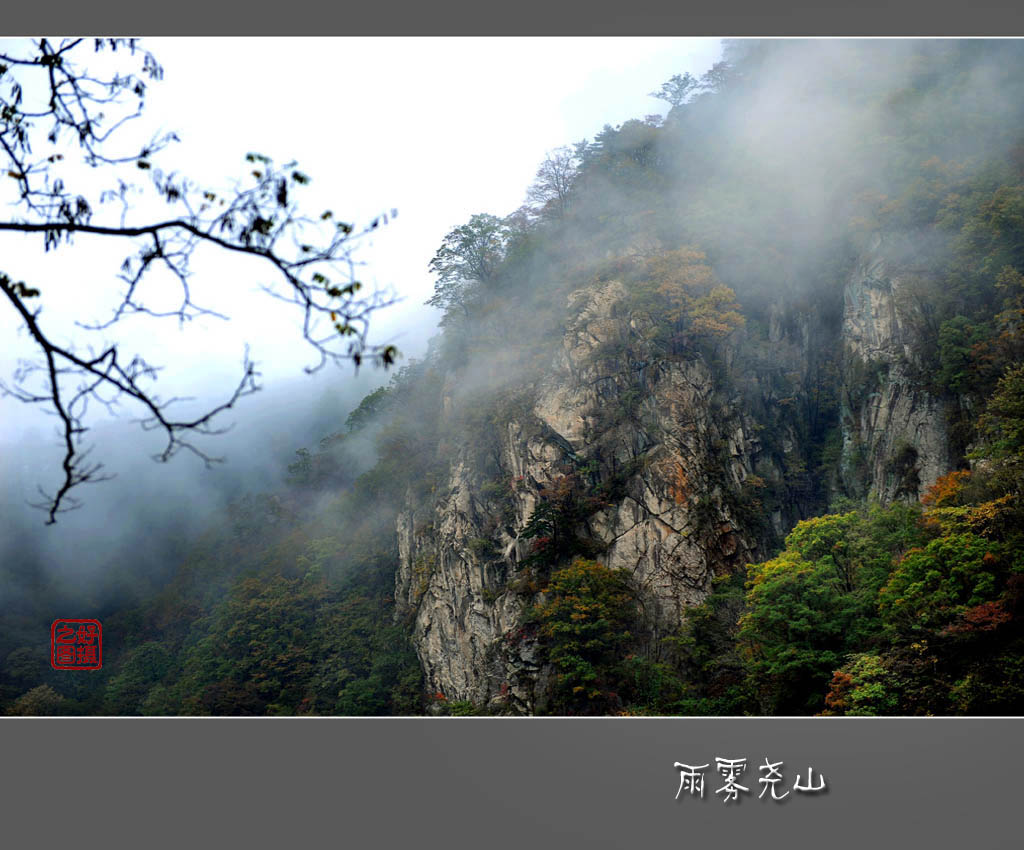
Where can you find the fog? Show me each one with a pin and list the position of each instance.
(379, 124)
(808, 154)
(780, 166)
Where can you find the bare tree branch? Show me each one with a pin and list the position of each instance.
(44, 93)
(552, 188)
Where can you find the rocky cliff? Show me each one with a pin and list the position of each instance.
(686, 467)
(895, 437)
(666, 454)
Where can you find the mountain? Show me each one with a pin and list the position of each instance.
(727, 419)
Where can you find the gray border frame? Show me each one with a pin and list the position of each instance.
(526, 17)
(497, 783)
(504, 783)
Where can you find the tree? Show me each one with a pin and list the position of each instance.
(1001, 429)
(586, 617)
(141, 670)
(714, 80)
(41, 700)
(552, 185)
(958, 341)
(934, 584)
(681, 290)
(468, 257)
(53, 113)
(864, 687)
(817, 602)
(678, 90)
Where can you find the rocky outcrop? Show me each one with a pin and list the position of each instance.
(685, 468)
(652, 441)
(895, 440)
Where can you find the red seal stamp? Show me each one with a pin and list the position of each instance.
(76, 645)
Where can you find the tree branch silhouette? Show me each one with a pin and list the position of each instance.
(310, 257)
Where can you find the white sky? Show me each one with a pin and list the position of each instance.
(439, 129)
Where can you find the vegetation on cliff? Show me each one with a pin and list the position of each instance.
(732, 224)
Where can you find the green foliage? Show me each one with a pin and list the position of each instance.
(288, 642)
(817, 601)
(141, 669)
(585, 621)
(627, 156)
(677, 90)
(284, 607)
(864, 686)
(464, 708)
(469, 257)
(958, 341)
(23, 668)
(892, 611)
(651, 687)
(42, 700)
(1002, 432)
(553, 525)
(369, 408)
(710, 661)
(933, 584)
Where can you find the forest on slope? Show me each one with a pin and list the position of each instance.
(814, 234)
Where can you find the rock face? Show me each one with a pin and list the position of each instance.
(651, 435)
(895, 441)
(673, 458)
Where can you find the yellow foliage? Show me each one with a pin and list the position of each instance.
(692, 293)
(985, 520)
(946, 489)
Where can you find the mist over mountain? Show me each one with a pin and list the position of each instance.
(726, 418)
(132, 532)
